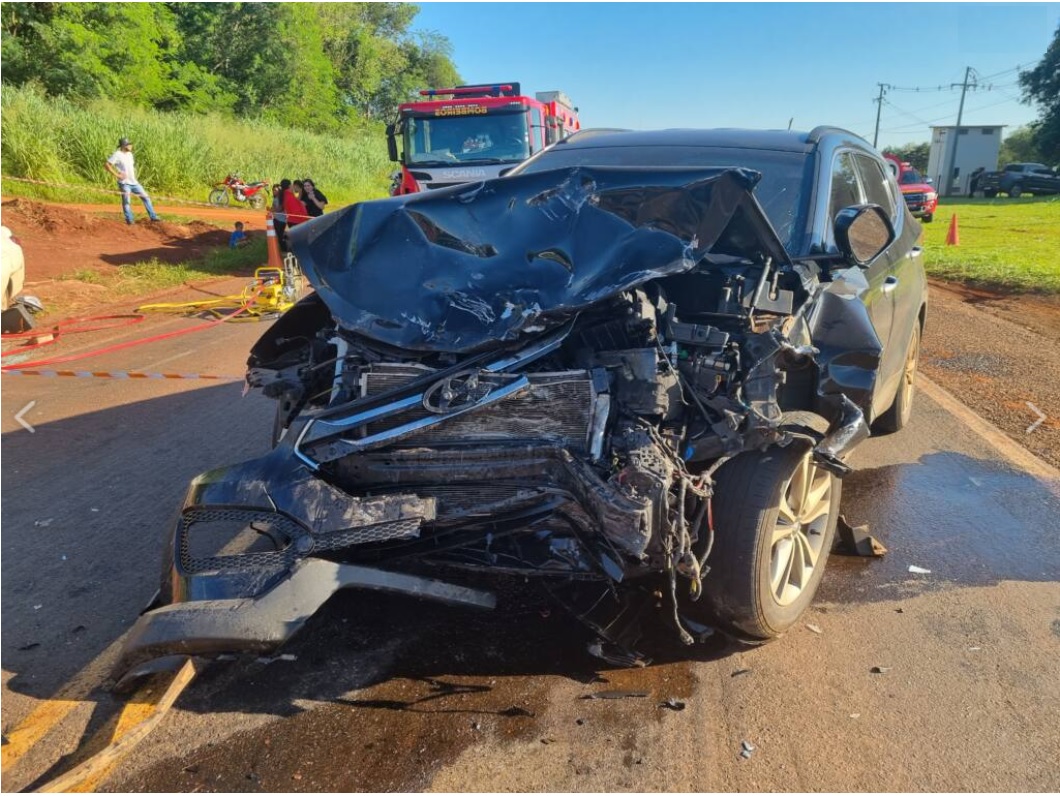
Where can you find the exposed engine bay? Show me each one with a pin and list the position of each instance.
(553, 408)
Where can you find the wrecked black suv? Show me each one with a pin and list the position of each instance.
(632, 370)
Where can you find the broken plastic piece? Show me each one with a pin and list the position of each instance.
(857, 541)
(919, 570)
(672, 704)
(814, 629)
(880, 669)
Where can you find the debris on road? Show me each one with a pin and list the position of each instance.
(285, 657)
(27, 647)
(919, 570)
(746, 749)
(857, 541)
(42, 523)
(738, 672)
(672, 704)
(814, 629)
(880, 669)
(514, 711)
(616, 695)
(855, 715)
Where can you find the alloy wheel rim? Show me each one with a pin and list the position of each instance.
(798, 537)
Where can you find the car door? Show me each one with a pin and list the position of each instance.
(846, 190)
(902, 271)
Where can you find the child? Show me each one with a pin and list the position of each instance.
(238, 237)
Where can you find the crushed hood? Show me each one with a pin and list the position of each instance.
(461, 268)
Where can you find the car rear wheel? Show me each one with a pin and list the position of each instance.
(775, 515)
(897, 417)
(989, 194)
(1016, 191)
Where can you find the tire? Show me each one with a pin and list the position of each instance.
(1016, 191)
(990, 194)
(257, 201)
(748, 590)
(219, 197)
(927, 219)
(897, 417)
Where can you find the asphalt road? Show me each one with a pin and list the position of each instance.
(388, 694)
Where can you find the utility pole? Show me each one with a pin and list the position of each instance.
(951, 146)
(879, 108)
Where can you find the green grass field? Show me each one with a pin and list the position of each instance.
(1009, 244)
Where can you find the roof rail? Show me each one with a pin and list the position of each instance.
(820, 131)
(591, 132)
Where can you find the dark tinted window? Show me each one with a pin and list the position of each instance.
(873, 180)
(844, 185)
(782, 192)
(910, 177)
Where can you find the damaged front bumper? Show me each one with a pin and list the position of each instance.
(265, 622)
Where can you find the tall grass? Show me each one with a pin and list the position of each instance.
(177, 154)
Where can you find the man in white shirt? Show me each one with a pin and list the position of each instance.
(122, 166)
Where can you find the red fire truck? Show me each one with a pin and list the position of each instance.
(470, 133)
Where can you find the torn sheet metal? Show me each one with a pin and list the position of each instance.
(459, 268)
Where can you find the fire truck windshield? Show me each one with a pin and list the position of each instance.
(445, 140)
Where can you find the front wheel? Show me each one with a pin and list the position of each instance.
(775, 515)
(990, 194)
(219, 197)
(927, 219)
(1016, 191)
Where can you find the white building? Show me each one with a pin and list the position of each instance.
(976, 147)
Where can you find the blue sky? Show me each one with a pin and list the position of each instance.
(644, 65)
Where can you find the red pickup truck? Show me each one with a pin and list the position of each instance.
(919, 194)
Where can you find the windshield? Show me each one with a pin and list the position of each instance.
(910, 177)
(446, 140)
(783, 192)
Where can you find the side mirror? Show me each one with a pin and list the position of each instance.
(505, 171)
(863, 232)
(929, 181)
(391, 143)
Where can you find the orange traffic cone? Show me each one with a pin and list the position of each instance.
(953, 237)
(275, 261)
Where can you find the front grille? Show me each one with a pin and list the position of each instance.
(557, 408)
(213, 540)
(915, 198)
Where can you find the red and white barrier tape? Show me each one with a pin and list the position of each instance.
(119, 374)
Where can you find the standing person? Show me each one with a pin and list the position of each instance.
(974, 185)
(121, 164)
(279, 218)
(314, 200)
(292, 205)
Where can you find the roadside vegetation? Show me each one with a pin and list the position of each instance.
(153, 276)
(1006, 244)
(178, 154)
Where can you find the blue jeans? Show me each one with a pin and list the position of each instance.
(129, 188)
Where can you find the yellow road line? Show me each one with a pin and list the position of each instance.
(50, 712)
(137, 719)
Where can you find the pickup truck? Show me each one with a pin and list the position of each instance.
(1017, 179)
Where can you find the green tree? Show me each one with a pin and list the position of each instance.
(1041, 87)
(916, 155)
(1020, 146)
(126, 51)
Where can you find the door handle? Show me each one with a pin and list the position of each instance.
(890, 283)
(913, 253)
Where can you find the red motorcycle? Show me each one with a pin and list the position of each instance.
(257, 194)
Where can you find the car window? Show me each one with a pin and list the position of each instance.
(873, 180)
(845, 190)
(782, 190)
